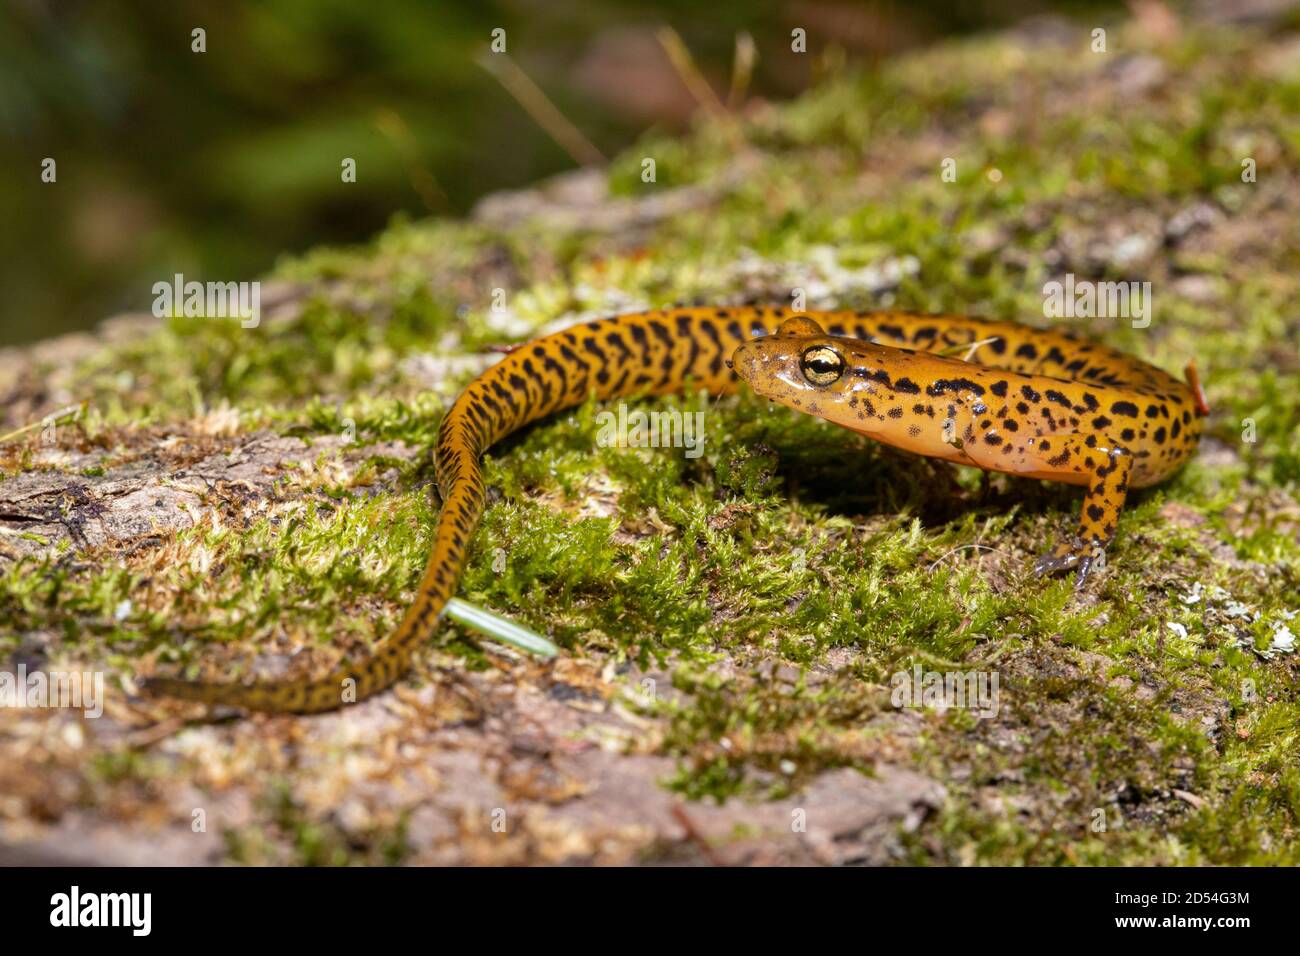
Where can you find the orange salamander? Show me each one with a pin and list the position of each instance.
(1044, 404)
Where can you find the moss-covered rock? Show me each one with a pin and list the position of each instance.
(232, 500)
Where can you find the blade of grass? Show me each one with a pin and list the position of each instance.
(499, 628)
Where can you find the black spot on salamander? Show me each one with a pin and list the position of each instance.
(1022, 408)
(1159, 435)
(836, 329)
(735, 330)
(943, 385)
(1176, 428)
(993, 438)
(998, 345)
(918, 409)
(1011, 425)
(1127, 434)
(893, 331)
(1153, 411)
(925, 332)
(572, 357)
(896, 412)
(1054, 355)
(1076, 365)
(908, 386)
(914, 430)
(1027, 351)
(715, 364)
(1096, 512)
(684, 332)
(1030, 394)
(616, 340)
(640, 338)
(1127, 409)
(1101, 421)
(999, 389)
(509, 398)
(1054, 396)
(662, 334)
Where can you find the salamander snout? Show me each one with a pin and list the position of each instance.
(742, 361)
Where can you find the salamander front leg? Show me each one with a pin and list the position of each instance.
(1109, 469)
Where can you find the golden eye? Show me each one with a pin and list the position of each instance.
(821, 365)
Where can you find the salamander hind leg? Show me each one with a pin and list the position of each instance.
(1108, 468)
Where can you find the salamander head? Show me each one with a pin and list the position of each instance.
(796, 365)
(839, 379)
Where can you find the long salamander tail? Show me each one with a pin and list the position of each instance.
(650, 353)
(391, 657)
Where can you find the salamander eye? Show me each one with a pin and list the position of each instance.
(821, 365)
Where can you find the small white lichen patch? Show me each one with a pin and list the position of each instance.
(1283, 639)
(1234, 618)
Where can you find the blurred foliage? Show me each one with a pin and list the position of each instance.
(213, 164)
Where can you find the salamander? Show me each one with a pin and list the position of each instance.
(993, 394)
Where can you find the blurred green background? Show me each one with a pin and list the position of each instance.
(214, 164)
